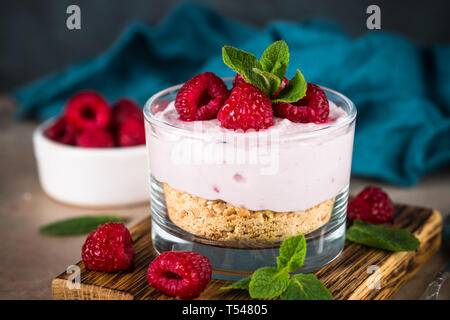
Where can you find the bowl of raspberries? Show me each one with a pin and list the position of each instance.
(93, 154)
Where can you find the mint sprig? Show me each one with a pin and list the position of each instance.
(268, 73)
(275, 59)
(381, 237)
(266, 80)
(271, 282)
(241, 61)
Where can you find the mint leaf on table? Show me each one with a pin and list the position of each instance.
(381, 237)
(306, 287)
(292, 253)
(294, 90)
(268, 282)
(78, 225)
(275, 59)
(242, 284)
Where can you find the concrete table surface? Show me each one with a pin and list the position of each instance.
(29, 260)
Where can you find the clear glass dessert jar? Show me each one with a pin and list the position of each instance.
(234, 196)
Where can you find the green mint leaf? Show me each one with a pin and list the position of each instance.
(306, 287)
(250, 69)
(294, 90)
(268, 282)
(240, 61)
(265, 81)
(379, 236)
(78, 225)
(275, 59)
(292, 253)
(242, 284)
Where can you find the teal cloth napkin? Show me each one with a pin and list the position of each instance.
(402, 92)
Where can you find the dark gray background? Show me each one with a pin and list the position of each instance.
(34, 38)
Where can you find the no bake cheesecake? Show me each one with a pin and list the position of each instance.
(254, 161)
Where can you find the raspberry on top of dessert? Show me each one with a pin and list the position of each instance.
(201, 97)
(260, 90)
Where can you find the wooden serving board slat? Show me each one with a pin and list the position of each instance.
(347, 277)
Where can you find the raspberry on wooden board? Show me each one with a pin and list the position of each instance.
(109, 248)
(182, 274)
(371, 205)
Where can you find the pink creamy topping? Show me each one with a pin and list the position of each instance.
(281, 169)
(170, 116)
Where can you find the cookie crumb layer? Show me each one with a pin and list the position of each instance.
(220, 220)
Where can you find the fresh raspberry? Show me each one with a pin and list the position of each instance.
(182, 274)
(311, 108)
(88, 110)
(131, 132)
(371, 205)
(123, 109)
(201, 97)
(246, 108)
(238, 80)
(61, 131)
(95, 138)
(109, 248)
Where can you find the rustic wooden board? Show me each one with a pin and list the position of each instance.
(347, 277)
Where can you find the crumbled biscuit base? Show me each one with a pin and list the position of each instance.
(219, 220)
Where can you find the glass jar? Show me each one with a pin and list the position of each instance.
(233, 196)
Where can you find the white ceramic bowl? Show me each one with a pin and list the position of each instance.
(91, 177)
